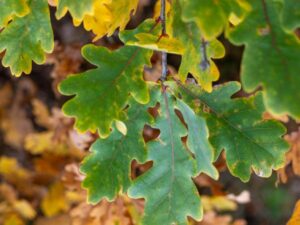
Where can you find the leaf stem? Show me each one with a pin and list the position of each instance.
(164, 33)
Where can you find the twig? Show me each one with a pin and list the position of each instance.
(164, 33)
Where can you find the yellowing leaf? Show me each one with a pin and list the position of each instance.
(55, 201)
(276, 65)
(210, 16)
(11, 170)
(27, 38)
(99, 21)
(11, 8)
(77, 8)
(107, 16)
(198, 54)
(219, 203)
(24, 208)
(148, 35)
(121, 12)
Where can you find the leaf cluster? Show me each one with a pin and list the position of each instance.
(196, 121)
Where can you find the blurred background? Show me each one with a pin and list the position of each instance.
(40, 152)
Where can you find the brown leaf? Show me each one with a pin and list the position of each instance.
(292, 157)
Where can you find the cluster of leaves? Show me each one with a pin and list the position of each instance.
(195, 120)
(47, 160)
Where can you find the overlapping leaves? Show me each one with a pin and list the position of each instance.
(167, 186)
(108, 167)
(236, 126)
(195, 126)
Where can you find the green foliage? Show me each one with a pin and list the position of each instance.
(11, 8)
(210, 16)
(196, 122)
(236, 125)
(108, 167)
(270, 58)
(77, 8)
(117, 78)
(197, 141)
(148, 35)
(26, 39)
(197, 55)
(291, 14)
(167, 186)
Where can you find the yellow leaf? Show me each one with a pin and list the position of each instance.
(41, 113)
(37, 143)
(220, 203)
(295, 219)
(11, 170)
(24, 208)
(99, 21)
(107, 16)
(121, 11)
(13, 220)
(150, 41)
(55, 201)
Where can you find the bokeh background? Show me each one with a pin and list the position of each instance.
(40, 152)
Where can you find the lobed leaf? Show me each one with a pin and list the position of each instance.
(198, 54)
(167, 187)
(11, 8)
(197, 140)
(236, 126)
(270, 58)
(108, 167)
(77, 8)
(103, 92)
(148, 35)
(211, 16)
(107, 16)
(26, 39)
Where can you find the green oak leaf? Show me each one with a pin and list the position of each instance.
(167, 187)
(271, 57)
(108, 167)
(198, 54)
(197, 140)
(10, 9)
(103, 92)
(291, 14)
(236, 126)
(210, 16)
(148, 35)
(77, 8)
(26, 39)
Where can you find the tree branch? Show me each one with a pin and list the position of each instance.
(164, 33)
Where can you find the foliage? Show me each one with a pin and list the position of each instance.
(194, 121)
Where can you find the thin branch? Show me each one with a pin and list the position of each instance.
(164, 33)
